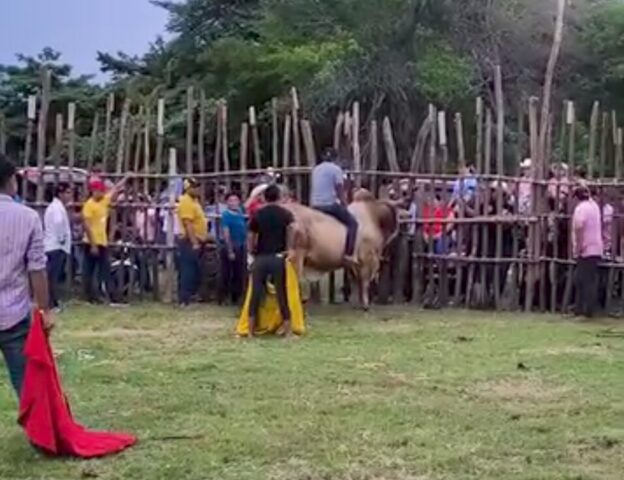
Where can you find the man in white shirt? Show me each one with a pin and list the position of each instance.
(57, 239)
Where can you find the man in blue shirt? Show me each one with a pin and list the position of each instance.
(233, 251)
(329, 196)
(466, 186)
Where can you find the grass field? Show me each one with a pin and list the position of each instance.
(400, 394)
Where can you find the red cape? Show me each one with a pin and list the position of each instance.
(44, 411)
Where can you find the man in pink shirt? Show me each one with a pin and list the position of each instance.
(587, 247)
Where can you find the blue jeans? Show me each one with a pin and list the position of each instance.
(342, 214)
(189, 271)
(12, 343)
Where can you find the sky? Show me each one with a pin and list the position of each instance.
(78, 29)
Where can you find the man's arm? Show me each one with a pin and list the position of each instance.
(36, 265)
(88, 232)
(227, 238)
(190, 233)
(118, 187)
(577, 233)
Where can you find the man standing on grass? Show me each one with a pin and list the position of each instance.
(193, 238)
(57, 239)
(95, 213)
(233, 252)
(270, 238)
(588, 248)
(22, 274)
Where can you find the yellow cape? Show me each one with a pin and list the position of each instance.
(269, 318)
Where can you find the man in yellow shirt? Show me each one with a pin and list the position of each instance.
(95, 213)
(194, 235)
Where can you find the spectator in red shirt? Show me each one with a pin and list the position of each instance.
(434, 231)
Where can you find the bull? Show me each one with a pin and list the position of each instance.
(320, 241)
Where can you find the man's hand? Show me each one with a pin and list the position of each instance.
(231, 256)
(48, 320)
(291, 256)
(196, 246)
(95, 251)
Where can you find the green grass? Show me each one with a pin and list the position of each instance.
(400, 394)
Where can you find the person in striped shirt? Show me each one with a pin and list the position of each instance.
(23, 276)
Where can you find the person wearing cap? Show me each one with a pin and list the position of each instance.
(587, 248)
(329, 196)
(193, 237)
(95, 214)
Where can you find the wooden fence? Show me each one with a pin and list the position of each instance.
(495, 251)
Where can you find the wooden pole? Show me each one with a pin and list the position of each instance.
(433, 143)
(123, 125)
(110, 107)
(286, 146)
(604, 132)
(31, 113)
(201, 134)
(58, 145)
(160, 139)
(170, 232)
(275, 132)
(593, 131)
(219, 139)
(296, 139)
(71, 132)
(147, 153)
(244, 143)
(253, 124)
(500, 131)
(190, 131)
(94, 140)
(391, 153)
(224, 141)
(357, 160)
(340, 120)
(374, 164)
(461, 160)
(42, 129)
(3, 135)
(308, 142)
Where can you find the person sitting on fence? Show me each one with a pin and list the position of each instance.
(587, 248)
(436, 233)
(58, 239)
(328, 195)
(193, 239)
(233, 251)
(270, 236)
(95, 214)
(558, 185)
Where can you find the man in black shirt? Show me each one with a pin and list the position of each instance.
(270, 238)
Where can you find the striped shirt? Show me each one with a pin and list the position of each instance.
(21, 252)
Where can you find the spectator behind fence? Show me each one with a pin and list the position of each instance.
(193, 238)
(466, 186)
(57, 239)
(525, 187)
(587, 247)
(434, 232)
(22, 271)
(233, 251)
(95, 213)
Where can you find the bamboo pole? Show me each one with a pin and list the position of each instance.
(201, 135)
(340, 120)
(308, 142)
(487, 163)
(500, 131)
(286, 146)
(296, 139)
(170, 232)
(534, 142)
(571, 123)
(42, 129)
(3, 135)
(461, 160)
(219, 140)
(58, 145)
(160, 139)
(147, 152)
(604, 132)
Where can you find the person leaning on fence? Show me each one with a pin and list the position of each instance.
(588, 248)
(57, 239)
(95, 215)
(22, 271)
(233, 252)
(270, 237)
(193, 239)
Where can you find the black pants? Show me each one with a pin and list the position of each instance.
(232, 274)
(189, 264)
(99, 262)
(587, 280)
(342, 214)
(269, 267)
(56, 269)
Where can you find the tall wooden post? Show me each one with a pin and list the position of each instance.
(94, 141)
(173, 167)
(110, 108)
(71, 133)
(255, 138)
(3, 134)
(357, 160)
(275, 132)
(160, 135)
(42, 129)
(296, 141)
(190, 115)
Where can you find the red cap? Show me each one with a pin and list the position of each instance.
(97, 185)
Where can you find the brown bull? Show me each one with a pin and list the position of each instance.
(320, 240)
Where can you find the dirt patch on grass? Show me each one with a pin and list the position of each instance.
(115, 333)
(520, 390)
(597, 350)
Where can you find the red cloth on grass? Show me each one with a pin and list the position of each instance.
(44, 411)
